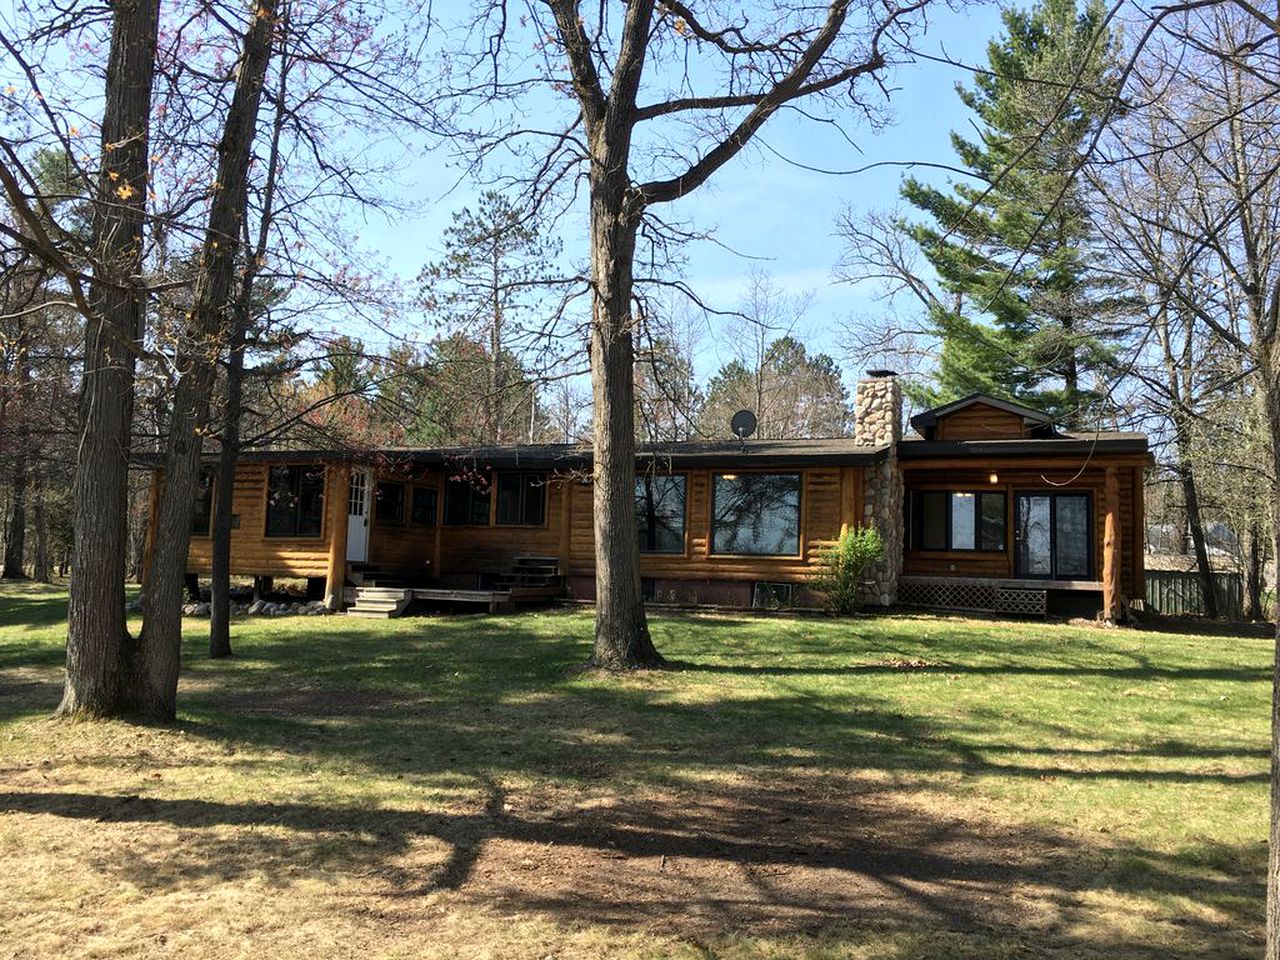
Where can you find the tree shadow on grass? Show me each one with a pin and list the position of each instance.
(488, 703)
(803, 856)
(32, 606)
(1148, 672)
(495, 698)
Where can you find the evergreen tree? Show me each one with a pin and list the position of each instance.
(1024, 305)
(487, 287)
(794, 394)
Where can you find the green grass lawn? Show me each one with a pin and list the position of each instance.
(887, 787)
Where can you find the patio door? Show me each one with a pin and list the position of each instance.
(1053, 536)
(358, 504)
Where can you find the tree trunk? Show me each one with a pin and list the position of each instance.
(99, 652)
(1191, 496)
(1271, 396)
(220, 582)
(161, 638)
(224, 488)
(15, 543)
(622, 632)
(1255, 573)
(41, 571)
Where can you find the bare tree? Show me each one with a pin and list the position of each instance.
(663, 96)
(1218, 63)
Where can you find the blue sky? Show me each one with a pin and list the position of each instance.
(758, 204)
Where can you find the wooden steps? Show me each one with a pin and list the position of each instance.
(534, 573)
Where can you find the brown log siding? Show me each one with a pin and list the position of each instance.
(1016, 477)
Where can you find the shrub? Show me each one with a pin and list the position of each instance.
(842, 567)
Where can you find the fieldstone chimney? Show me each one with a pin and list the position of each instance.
(878, 423)
(877, 409)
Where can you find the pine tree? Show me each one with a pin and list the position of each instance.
(1025, 303)
(496, 265)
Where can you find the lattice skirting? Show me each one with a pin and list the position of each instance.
(980, 596)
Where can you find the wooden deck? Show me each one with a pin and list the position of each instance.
(393, 601)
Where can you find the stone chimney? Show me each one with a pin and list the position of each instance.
(877, 410)
(878, 423)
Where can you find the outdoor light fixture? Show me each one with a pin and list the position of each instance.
(994, 478)
(728, 476)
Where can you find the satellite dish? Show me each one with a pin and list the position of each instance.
(743, 424)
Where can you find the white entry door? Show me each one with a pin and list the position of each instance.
(358, 503)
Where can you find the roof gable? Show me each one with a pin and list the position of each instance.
(980, 416)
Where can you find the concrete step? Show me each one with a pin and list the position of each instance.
(396, 593)
(370, 614)
(379, 603)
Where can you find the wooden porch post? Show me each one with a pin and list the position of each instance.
(338, 490)
(1111, 590)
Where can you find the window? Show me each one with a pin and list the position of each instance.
(958, 520)
(388, 504)
(202, 518)
(423, 511)
(756, 513)
(295, 501)
(1053, 536)
(522, 499)
(771, 596)
(466, 504)
(660, 513)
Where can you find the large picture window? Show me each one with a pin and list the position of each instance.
(756, 514)
(660, 513)
(958, 520)
(465, 504)
(522, 499)
(295, 501)
(202, 518)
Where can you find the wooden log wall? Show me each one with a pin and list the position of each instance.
(980, 422)
(255, 554)
(1016, 477)
(830, 500)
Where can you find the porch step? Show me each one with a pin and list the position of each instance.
(380, 602)
(367, 574)
(532, 571)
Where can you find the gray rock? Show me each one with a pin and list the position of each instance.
(255, 608)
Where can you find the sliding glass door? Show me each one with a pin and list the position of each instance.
(1052, 536)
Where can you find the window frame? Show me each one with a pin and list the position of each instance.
(435, 507)
(915, 525)
(800, 504)
(1091, 538)
(472, 492)
(539, 483)
(378, 502)
(324, 499)
(684, 515)
(212, 475)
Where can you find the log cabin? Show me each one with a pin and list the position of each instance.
(986, 506)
